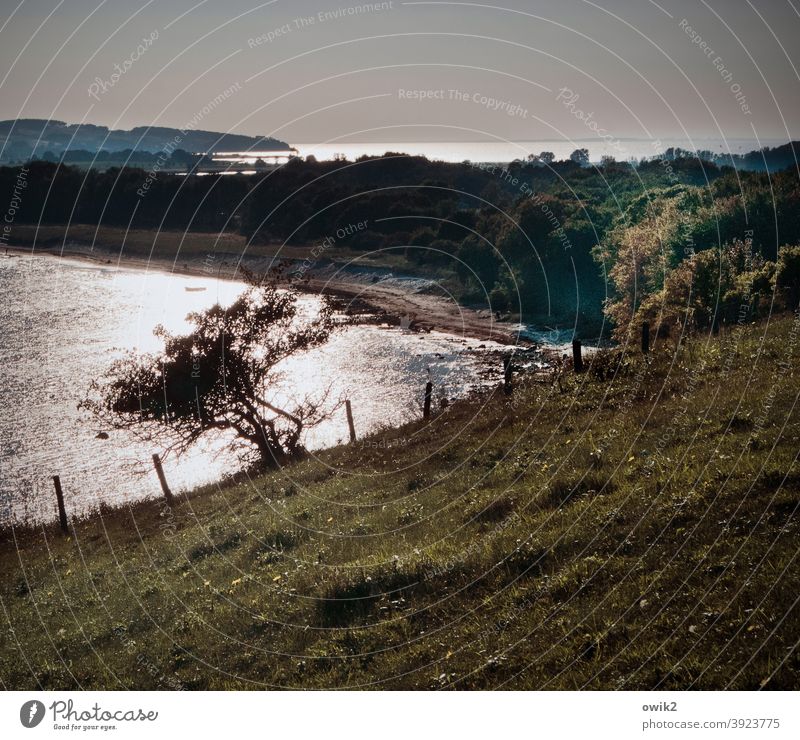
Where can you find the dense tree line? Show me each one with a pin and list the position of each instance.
(537, 237)
(766, 159)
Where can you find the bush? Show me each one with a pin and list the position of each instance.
(787, 276)
(499, 299)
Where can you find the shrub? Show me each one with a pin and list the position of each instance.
(787, 276)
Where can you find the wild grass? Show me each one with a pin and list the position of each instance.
(634, 532)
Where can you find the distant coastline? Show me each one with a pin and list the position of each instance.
(28, 138)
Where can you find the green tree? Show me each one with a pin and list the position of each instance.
(638, 257)
(580, 156)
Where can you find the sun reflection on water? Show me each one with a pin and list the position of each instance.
(65, 321)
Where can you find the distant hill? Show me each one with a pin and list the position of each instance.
(24, 138)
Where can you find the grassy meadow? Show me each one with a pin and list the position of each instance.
(632, 527)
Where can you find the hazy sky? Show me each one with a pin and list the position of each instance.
(637, 66)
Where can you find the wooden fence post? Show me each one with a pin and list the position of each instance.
(507, 375)
(162, 479)
(349, 409)
(62, 512)
(577, 360)
(426, 409)
(645, 338)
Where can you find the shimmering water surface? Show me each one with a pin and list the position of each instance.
(65, 321)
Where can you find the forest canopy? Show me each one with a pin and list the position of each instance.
(556, 243)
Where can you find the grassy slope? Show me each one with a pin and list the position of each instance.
(634, 533)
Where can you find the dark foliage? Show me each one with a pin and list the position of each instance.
(222, 377)
(524, 234)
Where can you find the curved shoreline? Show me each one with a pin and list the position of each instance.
(427, 311)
